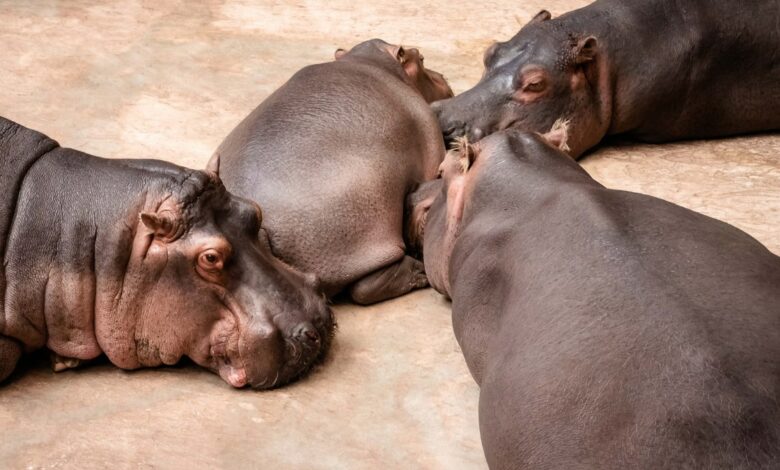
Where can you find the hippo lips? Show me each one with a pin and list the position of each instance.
(227, 368)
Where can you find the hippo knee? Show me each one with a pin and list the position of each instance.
(10, 352)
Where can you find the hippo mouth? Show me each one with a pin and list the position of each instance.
(226, 360)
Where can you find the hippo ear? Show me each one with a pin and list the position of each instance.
(558, 136)
(400, 55)
(163, 224)
(543, 15)
(213, 164)
(465, 152)
(339, 53)
(585, 50)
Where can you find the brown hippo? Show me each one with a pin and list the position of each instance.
(145, 262)
(331, 157)
(606, 329)
(653, 70)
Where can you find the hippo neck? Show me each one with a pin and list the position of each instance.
(69, 248)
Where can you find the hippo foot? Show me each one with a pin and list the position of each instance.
(10, 352)
(399, 278)
(61, 363)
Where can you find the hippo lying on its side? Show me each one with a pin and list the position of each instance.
(331, 157)
(145, 262)
(606, 329)
(654, 70)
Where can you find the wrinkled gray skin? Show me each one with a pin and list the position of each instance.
(331, 156)
(606, 329)
(145, 262)
(653, 70)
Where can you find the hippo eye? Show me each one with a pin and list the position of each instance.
(211, 260)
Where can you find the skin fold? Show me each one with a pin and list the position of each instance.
(653, 70)
(145, 262)
(606, 329)
(332, 156)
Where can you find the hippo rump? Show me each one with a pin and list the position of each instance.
(145, 262)
(653, 70)
(332, 156)
(606, 329)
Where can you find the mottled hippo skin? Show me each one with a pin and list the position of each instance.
(145, 262)
(606, 329)
(331, 156)
(654, 70)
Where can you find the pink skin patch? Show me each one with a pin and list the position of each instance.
(234, 376)
(224, 351)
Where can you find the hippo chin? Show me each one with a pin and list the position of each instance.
(653, 70)
(332, 156)
(606, 329)
(145, 262)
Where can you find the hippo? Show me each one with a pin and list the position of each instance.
(606, 329)
(652, 70)
(144, 262)
(332, 156)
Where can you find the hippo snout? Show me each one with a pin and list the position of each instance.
(279, 352)
(451, 128)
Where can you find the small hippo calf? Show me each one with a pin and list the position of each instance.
(606, 329)
(332, 155)
(145, 262)
(654, 70)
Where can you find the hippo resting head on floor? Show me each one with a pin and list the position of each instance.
(653, 70)
(145, 262)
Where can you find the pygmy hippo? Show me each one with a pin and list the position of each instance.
(145, 262)
(651, 69)
(606, 329)
(332, 155)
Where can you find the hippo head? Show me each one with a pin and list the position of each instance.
(463, 169)
(543, 73)
(201, 282)
(431, 85)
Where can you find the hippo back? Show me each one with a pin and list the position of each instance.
(20, 148)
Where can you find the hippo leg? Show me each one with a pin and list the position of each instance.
(393, 280)
(61, 363)
(10, 352)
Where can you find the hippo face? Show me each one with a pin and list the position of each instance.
(430, 84)
(213, 291)
(539, 76)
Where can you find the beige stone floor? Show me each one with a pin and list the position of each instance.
(168, 79)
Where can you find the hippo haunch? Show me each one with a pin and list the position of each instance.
(145, 262)
(606, 329)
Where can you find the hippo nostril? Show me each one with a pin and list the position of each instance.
(307, 334)
(312, 335)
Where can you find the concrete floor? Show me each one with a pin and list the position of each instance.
(169, 79)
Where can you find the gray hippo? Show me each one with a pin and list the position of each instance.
(145, 262)
(331, 156)
(606, 329)
(653, 70)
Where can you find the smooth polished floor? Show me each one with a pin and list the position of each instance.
(169, 79)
